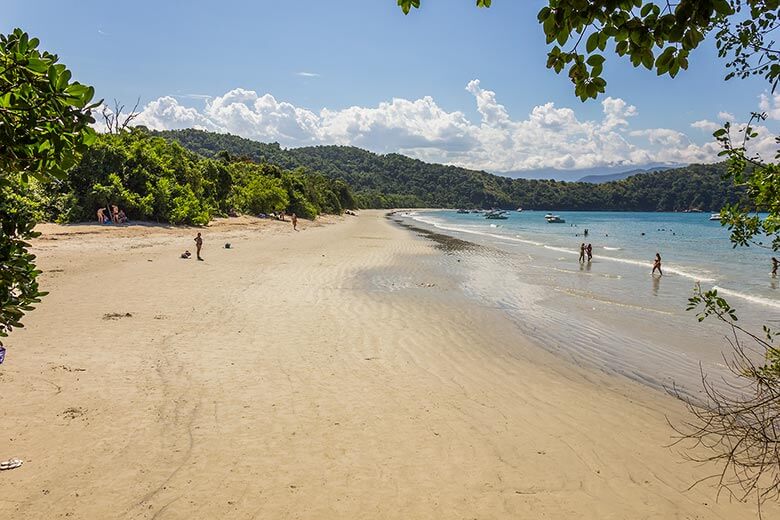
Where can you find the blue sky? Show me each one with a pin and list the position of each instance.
(186, 61)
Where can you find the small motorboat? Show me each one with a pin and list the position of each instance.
(554, 219)
(715, 216)
(461, 210)
(496, 215)
(519, 210)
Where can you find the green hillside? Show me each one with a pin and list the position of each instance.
(393, 180)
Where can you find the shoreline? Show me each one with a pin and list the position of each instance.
(332, 373)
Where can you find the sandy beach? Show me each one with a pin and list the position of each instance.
(326, 373)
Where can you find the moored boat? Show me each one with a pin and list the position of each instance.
(496, 215)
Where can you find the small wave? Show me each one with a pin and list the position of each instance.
(561, 250)
(613, 248)
(699, 277)
(749, 297)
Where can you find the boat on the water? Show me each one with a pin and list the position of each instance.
(715, 216)
(496, 215)
(519, 210)
(461, 210)
(554, 219)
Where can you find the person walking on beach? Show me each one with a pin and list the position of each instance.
(775, 263)
(589, 250)
(198, 245)
(294, 219)
(657, 264)
(582, 252)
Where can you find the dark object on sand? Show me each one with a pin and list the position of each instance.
(10, 464)
(227, 245)
(186, 255)
(2, 354)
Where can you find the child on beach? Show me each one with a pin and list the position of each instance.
(657, 264)
(198, 245)
(775, 263)
(582, 252)
(294, 219)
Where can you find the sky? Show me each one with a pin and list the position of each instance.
(448, 83)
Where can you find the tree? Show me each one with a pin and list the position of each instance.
(44, 127)
(656, 35)
(115, 121)
(740, 429)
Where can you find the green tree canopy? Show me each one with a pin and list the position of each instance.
(44, 127)
(656, 35)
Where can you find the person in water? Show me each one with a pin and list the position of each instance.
(775, 264)
(589, 250)
(294, 219)
(657, 264)
(198, 245)
(582, 252)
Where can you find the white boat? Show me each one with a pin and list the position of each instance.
(519, 210)
(496, 215)
(554, 219)
(715, 216)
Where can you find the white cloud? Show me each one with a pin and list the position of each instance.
(166, 112)
(770, 104)
(726, 116)
(549, 136)
(706, 125)
(616, 111)
(307, 74)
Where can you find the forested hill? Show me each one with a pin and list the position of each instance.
(393, 180)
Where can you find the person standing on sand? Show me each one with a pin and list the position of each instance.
(582, 252)
(101, 215)
(589, 250)
(657, 264)
(294, 219)
(775, 263)
(198, 245)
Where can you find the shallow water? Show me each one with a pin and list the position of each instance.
(612, 313)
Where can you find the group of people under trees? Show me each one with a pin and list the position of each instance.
(111, 215)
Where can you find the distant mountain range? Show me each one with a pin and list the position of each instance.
(586, 174)
(607, 177)
(394, 180)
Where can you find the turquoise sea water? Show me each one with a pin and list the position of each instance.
(690, 245)
(612, 312)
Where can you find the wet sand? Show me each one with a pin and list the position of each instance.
(330, 373)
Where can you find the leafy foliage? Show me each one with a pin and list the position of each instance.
(44, 117)
(154, 179)
(44, 120)
(656, 35)
(395, 181)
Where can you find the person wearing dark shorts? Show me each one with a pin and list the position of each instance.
(198, 245)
